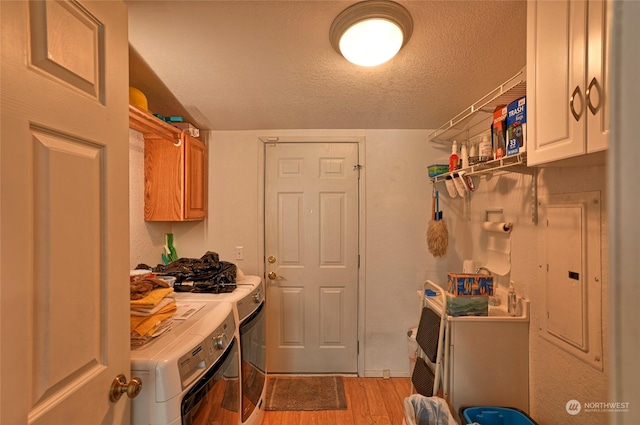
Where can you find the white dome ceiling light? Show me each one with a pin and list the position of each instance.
(371, 32)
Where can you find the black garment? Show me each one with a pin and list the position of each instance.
(207, 273)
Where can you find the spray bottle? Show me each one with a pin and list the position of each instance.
(453, 159)
(511, 300)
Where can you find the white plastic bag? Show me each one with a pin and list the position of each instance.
(421, 410)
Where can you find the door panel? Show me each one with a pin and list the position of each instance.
(292, 317)
(311, 215)
(64, 212)
(67, 44)
(67, 179)
(332, 323)
(332, 225)
(291, 232)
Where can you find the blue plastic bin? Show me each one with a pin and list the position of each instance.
(490, 415)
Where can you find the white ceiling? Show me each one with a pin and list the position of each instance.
(242, 65)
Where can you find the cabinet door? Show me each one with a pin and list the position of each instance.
(195, 179)
(599, 30)
(556, 42)
(163, 179)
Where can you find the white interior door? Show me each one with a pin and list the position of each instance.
(311, 242)
(64, 212)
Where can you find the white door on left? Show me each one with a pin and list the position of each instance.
(64, 212)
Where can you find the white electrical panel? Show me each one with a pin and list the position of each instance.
(570, 274)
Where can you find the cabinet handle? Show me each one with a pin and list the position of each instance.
(594, 83)
(573, 109)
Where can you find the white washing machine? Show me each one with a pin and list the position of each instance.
(248, 301)
(190, 373)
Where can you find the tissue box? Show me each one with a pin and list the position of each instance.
(188, 128)
(469, 284)
(517, 126)
(467, 305)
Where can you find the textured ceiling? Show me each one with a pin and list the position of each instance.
(241, 65)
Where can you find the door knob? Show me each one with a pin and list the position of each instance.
(271, 259)
(120, 386)
(272, 275)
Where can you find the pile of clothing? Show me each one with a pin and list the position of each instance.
(204, 274)
(152, 308)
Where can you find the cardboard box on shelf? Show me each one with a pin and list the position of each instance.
(517, 126)
(499, 131)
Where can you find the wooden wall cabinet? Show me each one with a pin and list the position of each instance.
(175, 170)
(567, 79)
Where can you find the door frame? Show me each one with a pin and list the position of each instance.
(360, 140)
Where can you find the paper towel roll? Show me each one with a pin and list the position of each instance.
(498, 247)
(497, 226)
(468, 266)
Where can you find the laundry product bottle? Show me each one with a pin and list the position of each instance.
(465, 155)
(511, 300)
(486, 150)
(453, 159)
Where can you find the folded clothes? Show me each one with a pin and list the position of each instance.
(147, 325)
(152, 299)
(139, 341)
(140, 286)
(149, 311)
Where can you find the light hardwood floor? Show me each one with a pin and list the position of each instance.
(370, 401)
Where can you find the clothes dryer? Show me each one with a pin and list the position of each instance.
(249, 309)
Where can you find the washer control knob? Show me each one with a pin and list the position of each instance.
(257, 297)
(220, 341)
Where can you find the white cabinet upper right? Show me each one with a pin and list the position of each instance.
(567, 78)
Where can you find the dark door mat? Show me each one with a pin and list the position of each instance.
(305, 393)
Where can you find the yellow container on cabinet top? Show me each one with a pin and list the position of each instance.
(137, 98)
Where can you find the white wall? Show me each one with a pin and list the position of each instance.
(146, 239)
(555, 376)
(398, 204)
(394, 170)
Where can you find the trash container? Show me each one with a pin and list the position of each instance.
(490, 415)
(421, 410)
(413, 348)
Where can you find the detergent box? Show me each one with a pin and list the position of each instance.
(469, 284)
(517, 126)
(499, 130)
